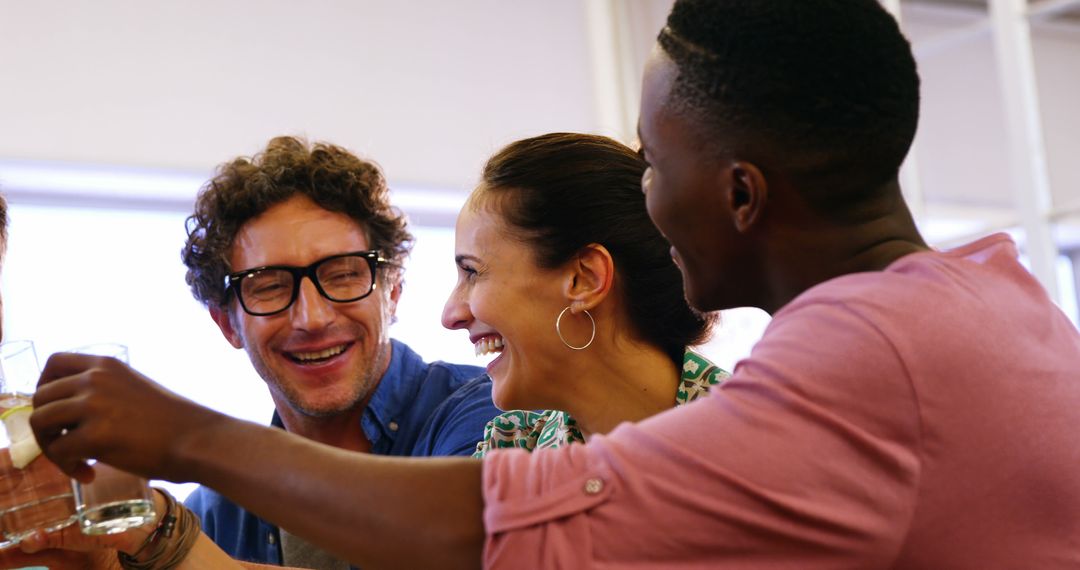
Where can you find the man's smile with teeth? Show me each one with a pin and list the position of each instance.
(488, 345)
(319, 355)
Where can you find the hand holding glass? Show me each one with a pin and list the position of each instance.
(115, 500)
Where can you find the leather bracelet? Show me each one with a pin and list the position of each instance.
(166, 553)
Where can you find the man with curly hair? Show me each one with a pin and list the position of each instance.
(298, 254)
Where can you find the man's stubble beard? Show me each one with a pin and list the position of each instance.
(362, 385)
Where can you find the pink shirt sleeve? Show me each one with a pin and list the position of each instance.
(807, 457)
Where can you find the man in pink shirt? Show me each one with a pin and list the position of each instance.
(905, 409)
(923, 416)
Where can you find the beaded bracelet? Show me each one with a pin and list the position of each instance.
(177, 516)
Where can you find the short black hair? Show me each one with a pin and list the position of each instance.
(564, 191)
(819, 89)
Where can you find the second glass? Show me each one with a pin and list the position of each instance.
(34, 493)
(115, 500)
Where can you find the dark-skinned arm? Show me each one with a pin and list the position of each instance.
(376, 512)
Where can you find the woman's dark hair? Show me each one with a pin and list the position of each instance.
(564, 191)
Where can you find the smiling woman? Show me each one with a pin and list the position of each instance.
(561, 273)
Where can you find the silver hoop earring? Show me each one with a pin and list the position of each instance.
(558, 330)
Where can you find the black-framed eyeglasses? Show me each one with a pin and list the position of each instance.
(270, 289)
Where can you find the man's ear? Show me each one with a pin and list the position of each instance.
(590, 277)
(224, 322)
(747, 193)
(395, 296)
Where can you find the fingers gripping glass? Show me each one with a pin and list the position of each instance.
(271, 289)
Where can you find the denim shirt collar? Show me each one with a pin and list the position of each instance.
(395, 392)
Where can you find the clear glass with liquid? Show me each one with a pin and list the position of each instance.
(115, 500)
(35, 496)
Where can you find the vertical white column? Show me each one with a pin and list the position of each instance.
(910, 181)
(1027, 156)
(615, 86)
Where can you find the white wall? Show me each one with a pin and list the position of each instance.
(962, 140)
(427, 87)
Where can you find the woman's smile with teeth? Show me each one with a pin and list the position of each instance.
(488, 345)
(319, 355)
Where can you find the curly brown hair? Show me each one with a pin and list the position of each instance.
(245, 187)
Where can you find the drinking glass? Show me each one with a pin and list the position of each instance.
(37, 495)
(115, 500)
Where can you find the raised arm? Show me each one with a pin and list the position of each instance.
(377, 512)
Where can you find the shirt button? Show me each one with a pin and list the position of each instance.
(593, 486)
(393, 426)
(270, 538)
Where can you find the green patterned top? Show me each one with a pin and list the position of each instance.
(551, 428)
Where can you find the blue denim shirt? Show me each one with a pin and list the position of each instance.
(418, 409)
